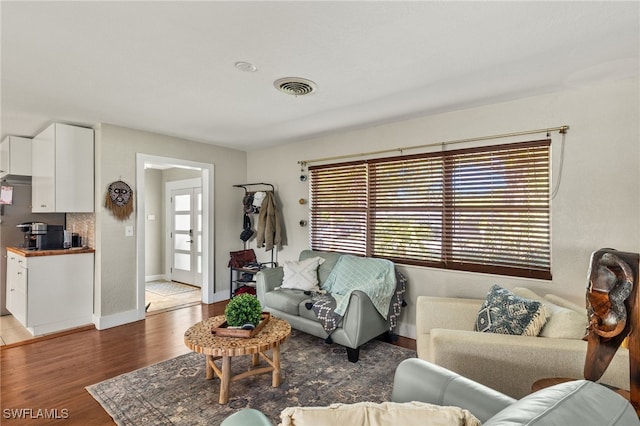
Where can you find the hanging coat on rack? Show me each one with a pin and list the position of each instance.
(269, 232)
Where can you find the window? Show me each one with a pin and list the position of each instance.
(481, 209)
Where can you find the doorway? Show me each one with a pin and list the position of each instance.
(201, 265)
(184, 239)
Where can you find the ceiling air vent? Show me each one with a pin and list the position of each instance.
(295, 86)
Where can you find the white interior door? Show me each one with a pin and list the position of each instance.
(186, 236)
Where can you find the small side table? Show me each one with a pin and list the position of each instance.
(199, 338)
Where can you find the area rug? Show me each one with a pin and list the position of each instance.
(314, 373)
(168, 288)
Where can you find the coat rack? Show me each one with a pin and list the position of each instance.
(244, 186)
(247, 192)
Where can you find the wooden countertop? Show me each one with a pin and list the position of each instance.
(34, 253)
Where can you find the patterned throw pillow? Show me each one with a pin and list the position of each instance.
(302, 275)
(505, 313)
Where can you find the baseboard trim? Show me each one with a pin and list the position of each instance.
(160, 277)
(115, 320)
(48, 336)
(406, 330)
(218, 297)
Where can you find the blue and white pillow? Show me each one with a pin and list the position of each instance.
(506, 313)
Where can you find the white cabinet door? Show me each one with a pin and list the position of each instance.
(15, 156)
(43, 171)
(17, 287)
(63, 170)
(74, 169)
(60, 292)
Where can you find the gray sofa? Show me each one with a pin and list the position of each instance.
(578, 402)
(360, 323)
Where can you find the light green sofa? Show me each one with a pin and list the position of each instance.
(361, 322)
(510, 364)
(577, 402)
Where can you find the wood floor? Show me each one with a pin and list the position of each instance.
(47, 378)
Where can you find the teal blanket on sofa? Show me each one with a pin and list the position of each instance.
(375, 277)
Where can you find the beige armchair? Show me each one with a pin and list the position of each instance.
(507, 363)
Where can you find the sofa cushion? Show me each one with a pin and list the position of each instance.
(578, 402)
(386, 413)
(562, 322)
(286, 300)
(506, 313)
(305, 310)
(527, 294)
(330, 260)
(301, 274)
(560, 301)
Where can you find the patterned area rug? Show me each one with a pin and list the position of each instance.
(314, 373)
(168, 288)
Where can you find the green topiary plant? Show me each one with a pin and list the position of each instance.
(243, 309)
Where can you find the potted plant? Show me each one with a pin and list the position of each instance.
(242, 310)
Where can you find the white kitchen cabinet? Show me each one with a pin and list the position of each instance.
(16, 301)
(62, 170)
(50, 293)
(15, 156)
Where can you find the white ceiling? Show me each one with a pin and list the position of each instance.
(168, 67)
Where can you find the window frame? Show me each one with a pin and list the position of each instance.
(523, 177)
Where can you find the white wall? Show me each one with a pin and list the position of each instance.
(598, 204)
(153, 241)
(116, 149)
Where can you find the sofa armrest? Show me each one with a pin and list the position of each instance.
(419, 380)
(445, 312)
(362, 321)
(442, 312)
(578, 402)
(247, 416)
(511, 364)
(267, 280)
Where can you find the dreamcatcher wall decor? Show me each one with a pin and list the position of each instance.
(119, 200)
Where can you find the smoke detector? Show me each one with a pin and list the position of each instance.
(295, 86)
(246, 66)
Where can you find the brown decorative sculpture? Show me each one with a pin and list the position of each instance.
(613, 308)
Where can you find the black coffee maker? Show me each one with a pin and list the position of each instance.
(34, 234)
(40, 236)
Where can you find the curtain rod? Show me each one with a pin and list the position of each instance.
(560, 129)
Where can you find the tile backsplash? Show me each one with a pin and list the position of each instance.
(84, 224)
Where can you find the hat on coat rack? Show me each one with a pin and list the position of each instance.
(247, 232)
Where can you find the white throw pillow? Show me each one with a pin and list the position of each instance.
(386, 413)
(567, 321)
(303, 274)
(563, 322)
(581, 309)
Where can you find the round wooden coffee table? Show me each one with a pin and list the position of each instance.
(199, 338)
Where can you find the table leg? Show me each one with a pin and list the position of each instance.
(255, 359)
(208, 371)
(225, 380)
(275, 376)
